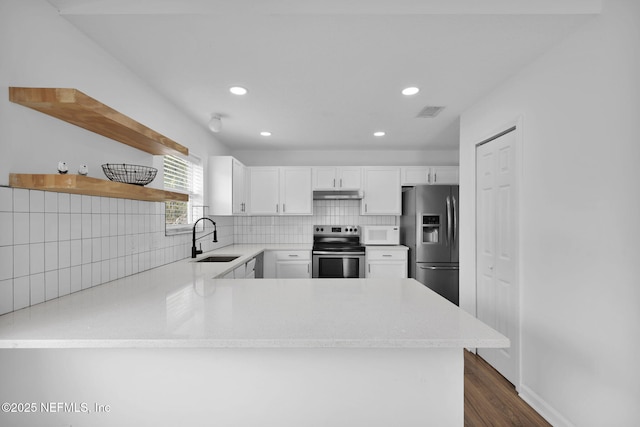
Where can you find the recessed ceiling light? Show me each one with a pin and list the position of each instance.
(379, 133)
(408, 91)
(238, 90)
(265, 133)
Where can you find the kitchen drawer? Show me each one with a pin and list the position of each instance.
(293, 255)
(382, 254)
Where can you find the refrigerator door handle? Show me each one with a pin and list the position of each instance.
(439, 268)
(455, 221)
(449, 225)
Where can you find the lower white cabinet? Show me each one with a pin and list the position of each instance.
(243, 271)
(287, 264)
(386, 262)
(250, 269)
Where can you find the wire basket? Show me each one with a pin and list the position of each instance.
(129, 174)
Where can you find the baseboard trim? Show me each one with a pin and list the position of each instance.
(547, 411)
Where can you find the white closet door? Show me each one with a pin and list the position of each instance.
(496, 246)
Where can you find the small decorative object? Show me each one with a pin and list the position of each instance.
(84, 170)
(129, 174)
(62, 168)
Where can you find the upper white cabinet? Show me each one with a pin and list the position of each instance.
(227, 190)
(264, 190)
(337, 178)
(296, 195)
(239, 189)
(280, 191)
(382, 191)
(445, 175)
(417, 175)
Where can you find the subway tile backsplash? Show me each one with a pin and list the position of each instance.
(53, 244)
(299, 229)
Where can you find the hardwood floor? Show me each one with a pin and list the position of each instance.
(490, 400)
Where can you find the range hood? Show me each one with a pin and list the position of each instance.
(337, 195)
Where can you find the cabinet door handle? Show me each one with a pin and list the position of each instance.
(293, 255)
(334, 183)
(340, 182)
(277, 208)
(284, 208)
(387, 255)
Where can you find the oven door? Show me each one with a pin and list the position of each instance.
(338, 265)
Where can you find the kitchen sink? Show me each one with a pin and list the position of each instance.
(219, 258)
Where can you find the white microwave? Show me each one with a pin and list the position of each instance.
(381, 235)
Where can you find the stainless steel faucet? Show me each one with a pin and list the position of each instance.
(194, 251)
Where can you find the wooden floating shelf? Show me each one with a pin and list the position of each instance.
(75, 107)
(78, 184)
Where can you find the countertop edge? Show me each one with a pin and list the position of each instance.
(248, 344)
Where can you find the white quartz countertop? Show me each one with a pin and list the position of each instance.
(182, 305)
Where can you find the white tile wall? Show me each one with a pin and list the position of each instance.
(53, 244)
(299, 229)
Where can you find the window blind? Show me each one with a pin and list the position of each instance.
(183, 176)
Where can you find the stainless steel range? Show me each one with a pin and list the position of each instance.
(337, 252)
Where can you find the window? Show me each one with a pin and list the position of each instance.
(183, 175)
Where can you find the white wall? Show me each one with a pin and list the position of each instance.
(41, 49)
(348, 158)
(580, 232)
(50, 249)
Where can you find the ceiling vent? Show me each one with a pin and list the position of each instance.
(429, 112)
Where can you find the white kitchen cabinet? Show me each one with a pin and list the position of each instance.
(240, 272)
(280, 191)
(386, 262)
(382, 191)
(417, 175)
(227, 190)
(293, 269)
(245, 270)
(264, 190)
(239, 193)
(296, 196)
(287, 264)
(337, 178)
(445, 175)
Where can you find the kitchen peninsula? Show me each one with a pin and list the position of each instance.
(176, 346)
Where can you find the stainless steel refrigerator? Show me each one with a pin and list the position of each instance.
(429, 227)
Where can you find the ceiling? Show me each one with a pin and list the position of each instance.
(327, 74)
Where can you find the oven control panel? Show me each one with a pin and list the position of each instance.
(336, 230)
